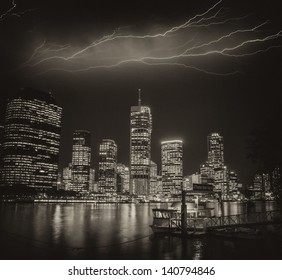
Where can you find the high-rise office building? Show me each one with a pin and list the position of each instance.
(153, 177)
(233, 182)
(60, 185)
(216, 160)
(215, 150)
(159, 187)
(213, 171)
(81, 158)
(92, 180)
(31, 140)
(172, 166)
(140, 149)
(67, 177)
(221, 180)
(107, 166)
(207, 173)
(122, 178)
(262, 182)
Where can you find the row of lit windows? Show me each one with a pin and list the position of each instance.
(39, 107)
(24, 131)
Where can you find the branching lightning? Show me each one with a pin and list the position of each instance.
(20, 14)
(11, 11)
(171, 47)
(8, 12)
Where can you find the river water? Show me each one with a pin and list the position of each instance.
(109, 231)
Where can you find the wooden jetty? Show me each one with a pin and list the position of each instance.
(200, 221)
(169, 221)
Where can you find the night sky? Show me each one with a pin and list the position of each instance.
(190, 97)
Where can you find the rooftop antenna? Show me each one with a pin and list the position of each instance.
(139, 97)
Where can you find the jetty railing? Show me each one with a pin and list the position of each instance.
(242, 219)
(172, 220)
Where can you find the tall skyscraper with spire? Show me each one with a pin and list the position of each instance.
(140, 148)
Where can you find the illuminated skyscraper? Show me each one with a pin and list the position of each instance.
(122, 178)
(60, 185)
(67, 177)
(107, 166)
(81, 157)
(214, 171)
(207, 173)
(221, 180)
(153, 177)
(140, 149)
(31, 140)
(233, 182)
(172, 166)
(215, 150)
(92, 180)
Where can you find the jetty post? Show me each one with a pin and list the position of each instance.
(183, 213)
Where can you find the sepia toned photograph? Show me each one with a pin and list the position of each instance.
(141, 130)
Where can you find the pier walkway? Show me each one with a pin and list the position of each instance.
(203, 225)
(240, 220)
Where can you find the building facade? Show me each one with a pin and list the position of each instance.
(153, 177)
(31, 140)
(215, 150)
(92, 180)
(81, 159)
(107, 175)
(188, 181)
(213, 171)
(140, 149)
(172, 167)
(122, 178)
(221, 180)
(233, 182)
(67, 177)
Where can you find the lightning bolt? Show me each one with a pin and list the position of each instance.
(11, 12)
(112, 37)
(20, 14)
(7, 13)
(171, 47)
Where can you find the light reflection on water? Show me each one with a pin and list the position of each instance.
(105, 231)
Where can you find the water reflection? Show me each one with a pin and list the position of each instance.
(90, 231)
(197, 249)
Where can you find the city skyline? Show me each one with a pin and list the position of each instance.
(187, 103)
(95, 162)
(29, 133)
